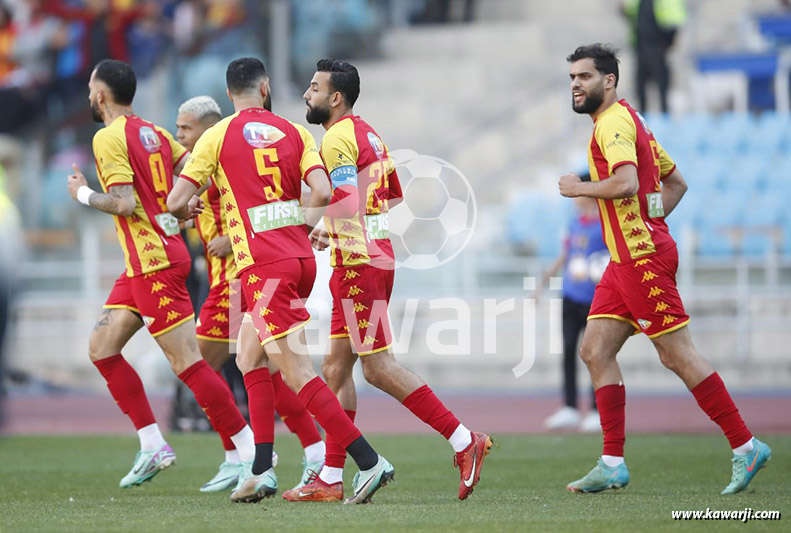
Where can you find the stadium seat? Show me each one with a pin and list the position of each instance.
(715, 242)
(757, 244)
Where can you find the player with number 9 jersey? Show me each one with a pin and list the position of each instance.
(132, 151)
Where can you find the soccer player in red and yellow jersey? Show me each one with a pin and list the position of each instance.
(364, 182)
(258, 161)
(219, 321)
(135, 161)
(637, 185)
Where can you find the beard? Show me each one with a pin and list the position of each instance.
(591, 103)
(96, 113)
(317, 115)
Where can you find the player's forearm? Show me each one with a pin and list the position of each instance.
(179, 197)
(315, 209)
(672, 192)
(610, 189)
(115, 202)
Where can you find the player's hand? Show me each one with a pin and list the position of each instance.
(319, 238)
(75, 181)
(194, 207)
(567, 184)
(219, 246)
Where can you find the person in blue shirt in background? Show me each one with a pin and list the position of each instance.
(583, 260)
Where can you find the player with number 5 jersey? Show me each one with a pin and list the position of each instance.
(258, 162)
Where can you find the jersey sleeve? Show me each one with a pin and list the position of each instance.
(310, 158)
(666, 163)
(616, 136)
(340, 157)
(178, 151)
(112, 158)
(394, 185)
(202, 162)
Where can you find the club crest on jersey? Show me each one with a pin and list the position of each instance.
(150, 140)
(376, 144)
(643, 123)
(260, 135)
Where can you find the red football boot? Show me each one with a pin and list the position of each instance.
(470, 462)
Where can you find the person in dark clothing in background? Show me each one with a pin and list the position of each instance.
(654, 25)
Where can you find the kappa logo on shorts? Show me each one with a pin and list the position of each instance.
(173, 315)
(655, 291)
(645, 324)
(660, 306)
(648, 276)
(669, 319)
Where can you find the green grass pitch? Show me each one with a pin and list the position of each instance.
(71, 484)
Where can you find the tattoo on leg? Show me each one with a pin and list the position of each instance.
(104, 319)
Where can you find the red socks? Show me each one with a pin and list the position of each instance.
(713, 398)
(214, 397)
(611, 400)
(127, 389)
(227, 443)
(293, 413)
(335, 456)
(261, 401)
(425, 405)
(323, 405)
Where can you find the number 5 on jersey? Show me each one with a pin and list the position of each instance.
(274, 191)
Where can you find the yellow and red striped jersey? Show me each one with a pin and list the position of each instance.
(211, 223)
(258, 160)
(360, 166)
(632, 227)
(131, 151)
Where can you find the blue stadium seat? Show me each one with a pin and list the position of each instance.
(764, 209)
(756, 244)
(747, 175)
(715, 242)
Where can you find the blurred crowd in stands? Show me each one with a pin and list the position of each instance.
(48, 47)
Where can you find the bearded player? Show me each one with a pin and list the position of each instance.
(364, 185)
(637, 185)
(135, 162)
(219, 321)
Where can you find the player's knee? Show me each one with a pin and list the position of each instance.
(375, 373)
(670, 360)
(97, 349)
(588, 354)
(334, 374)
(297, 377)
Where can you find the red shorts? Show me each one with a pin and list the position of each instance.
(642, 293)
(221, 314)
(274, 294)
(160, 298)
(360, 296)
